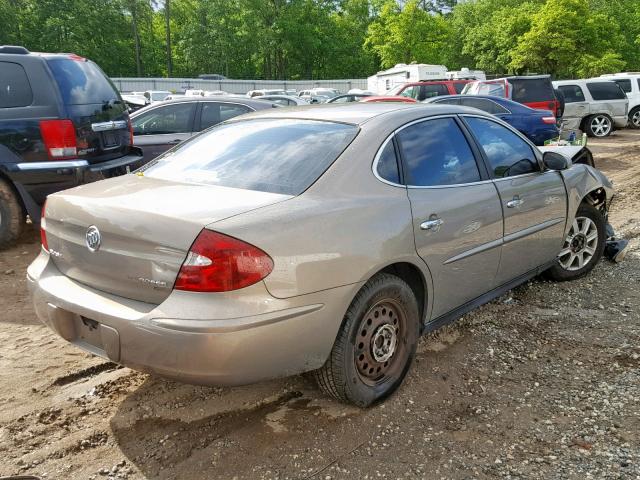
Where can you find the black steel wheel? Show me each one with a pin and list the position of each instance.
(376, 343)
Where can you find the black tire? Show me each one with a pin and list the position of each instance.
(12, 217)
(592, 129)
(634, 118)
(560, 271)
(383, 305)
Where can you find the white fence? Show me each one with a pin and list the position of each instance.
(232, 86)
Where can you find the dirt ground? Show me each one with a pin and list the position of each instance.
(543, 383)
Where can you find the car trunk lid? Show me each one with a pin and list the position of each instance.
(129, 236)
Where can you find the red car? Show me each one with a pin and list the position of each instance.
(535, 91)
(429, 88)
(388, 98)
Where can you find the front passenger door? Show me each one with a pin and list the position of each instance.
(534, 201)
(457, 218)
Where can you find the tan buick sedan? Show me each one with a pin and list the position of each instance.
(325, 238)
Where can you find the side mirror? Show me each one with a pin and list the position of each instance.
(555, 161)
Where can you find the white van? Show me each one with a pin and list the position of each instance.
(629, 82)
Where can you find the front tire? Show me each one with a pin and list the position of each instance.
(634, 118)
(12, 217)
(583, 247)
(375, 345)
(599, 125)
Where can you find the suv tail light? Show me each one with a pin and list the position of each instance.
(59, 137)
(219, 263)
(43, 226)
(549, 120)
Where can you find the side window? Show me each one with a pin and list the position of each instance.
(484, 105)
(448, 101)
(624, 84)
(429, 91)
(388, 164)
(411, 92)
(572, 93)
(458, 87)
(167, 119)
(508, 154)
(231, 110)
(605, 91)
(15, 90)
(435, 153)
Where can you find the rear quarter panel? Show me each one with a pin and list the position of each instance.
(341, 231)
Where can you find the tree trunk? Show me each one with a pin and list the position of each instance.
(136, 36)
(167, 17)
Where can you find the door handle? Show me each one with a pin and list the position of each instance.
(516, 202)
(174, 142)
(433, 225)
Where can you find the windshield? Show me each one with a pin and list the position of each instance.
(271, 155)
(81, 82)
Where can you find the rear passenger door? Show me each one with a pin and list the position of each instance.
(160, 128)
(534, 201)
(212, 113)
(575, 103)
(457, 218)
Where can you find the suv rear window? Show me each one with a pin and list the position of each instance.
(606, 91)
(15, 90)
(624, 84)
(81, 82)
(532, 90)
(270, 155)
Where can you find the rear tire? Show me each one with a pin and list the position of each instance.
(599, 125)
(583, 246)
(12, 217)
(634, 118)
(375, 345)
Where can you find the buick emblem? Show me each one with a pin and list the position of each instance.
(92, 238)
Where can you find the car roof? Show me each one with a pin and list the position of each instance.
(252, 102)
(358, 113)
(499, 100)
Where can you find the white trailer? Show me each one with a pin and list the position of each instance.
(402, 73)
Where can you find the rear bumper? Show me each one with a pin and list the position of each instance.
(39, 179)
(186, 337)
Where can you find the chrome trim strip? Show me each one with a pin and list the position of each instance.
(502, 241)
(479, 249)
(531, 230)
(53, 164)
(111, 125)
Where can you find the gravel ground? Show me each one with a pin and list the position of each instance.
(542, 383)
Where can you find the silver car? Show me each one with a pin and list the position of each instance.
(596, 106)
(321, 239)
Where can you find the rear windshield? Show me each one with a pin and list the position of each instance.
(81, 82)
(495, 89)
(271, 155)
(532, 90)
(606, 91)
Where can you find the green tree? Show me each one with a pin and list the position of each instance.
(407, 34)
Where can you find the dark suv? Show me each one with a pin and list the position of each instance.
(62, 123)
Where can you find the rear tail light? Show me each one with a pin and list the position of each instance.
(549, 120)
(43, 226)
(219, 263)
(59, 137)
